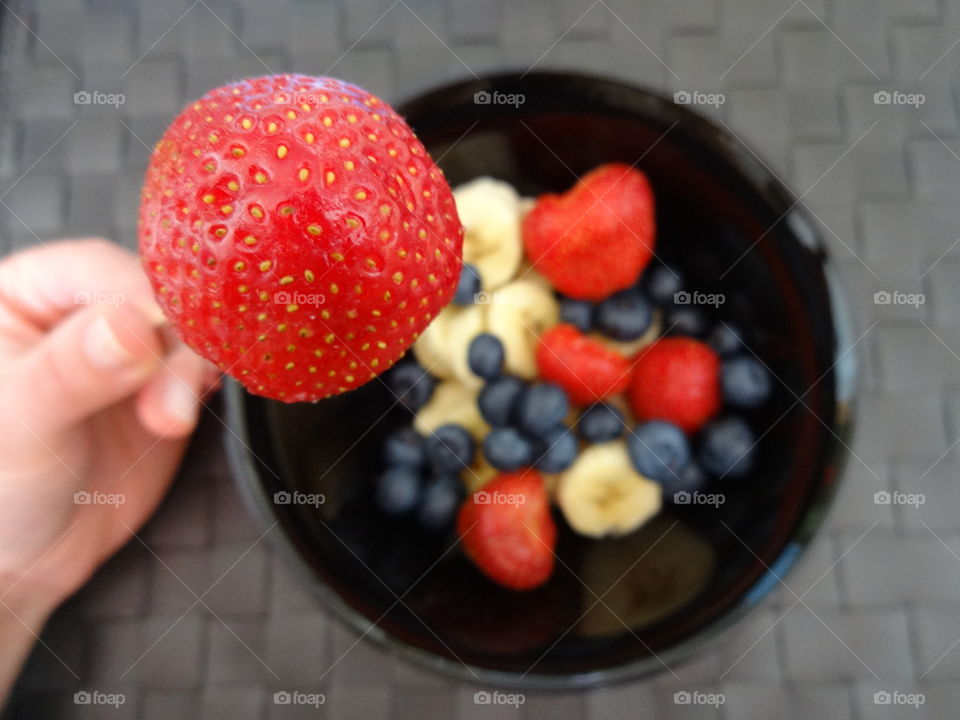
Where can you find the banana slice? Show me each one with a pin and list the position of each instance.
(601, 494)
(451, 402)
(431, 350)
(490, 212)
(630, 348)
(518, 314)
(470, 322)
(442, 346)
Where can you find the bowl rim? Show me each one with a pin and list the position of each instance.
(768, 185)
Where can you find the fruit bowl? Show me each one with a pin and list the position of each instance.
(614, 608)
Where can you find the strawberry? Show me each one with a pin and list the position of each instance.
(297, 234)
(597, 238)
(676, 379)
(581, 365)
(507, 530)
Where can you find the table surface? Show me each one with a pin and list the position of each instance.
(876, 604)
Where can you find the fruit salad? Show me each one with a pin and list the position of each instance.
(564, 384)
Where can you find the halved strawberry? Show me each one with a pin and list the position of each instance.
(507, 530)
(597, 238)
(297, 234)
(587, 369)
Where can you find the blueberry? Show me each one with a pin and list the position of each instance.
(398, 489)
(625, 315)
(404, 447)
(557, 450)
(745, 382)
(411, 384)
(542, 406)
(498, 400)
(578, 313)
(685, 320)
(726, 447)
(600, 423)
(450, 448)
(725, 340)
(468, 286)
(485, 356)
(659, 450)
(691, 479)
(441, 499)
(661, 283)
(506, 449)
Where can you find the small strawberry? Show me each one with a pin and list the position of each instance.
(597, 238)
(297, 234)
(507, 530)
(678, 380)
(584, 367)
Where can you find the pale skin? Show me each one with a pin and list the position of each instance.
(96, 396)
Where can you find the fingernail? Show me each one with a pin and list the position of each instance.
(180, 401)
(104, 348)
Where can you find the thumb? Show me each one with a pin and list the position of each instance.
(89, 361)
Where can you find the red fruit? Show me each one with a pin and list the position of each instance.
(597, 238)
(297, 234)
(678, 380)
(587, 369)
(507, 530)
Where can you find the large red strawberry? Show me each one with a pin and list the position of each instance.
(584, 367)
(597, 238)
(507, 530)
(297, 234)
(678, 380)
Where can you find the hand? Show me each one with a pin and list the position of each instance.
(97, 400)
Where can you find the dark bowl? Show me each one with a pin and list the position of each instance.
(693, 571)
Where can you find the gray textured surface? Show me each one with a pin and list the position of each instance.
(883, 604)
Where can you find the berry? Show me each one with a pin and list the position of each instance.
(661, 284)
(404, 447)
(725, 340)
(450, 448)
(600, 423)
(745, 382)
(485, 356)
(541, 406)
(625, 315)
(498, 400)
(398, 490)
(584, 367)
(726, 447)
(685, 321)
(507, 531)
(506, 449)
(277, 214)
(597, 238)
(467, 286)
(557, 450)
(677, 380)
(412, 384)
(441, 499)
(578, 313)
(658, 450)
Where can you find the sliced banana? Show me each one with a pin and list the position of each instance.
(518, 314)
(430, 349)
(442, 346)
(451, 402)
(630, 348)
(601, 494)
(470, 322)
(490, 212)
